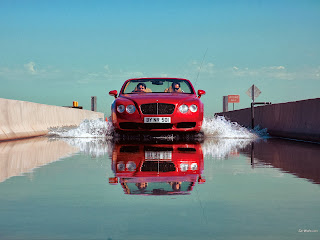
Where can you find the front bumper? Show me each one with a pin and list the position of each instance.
(179, 122)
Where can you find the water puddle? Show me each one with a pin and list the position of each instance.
(81, 183)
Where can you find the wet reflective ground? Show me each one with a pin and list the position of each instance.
(217, 189)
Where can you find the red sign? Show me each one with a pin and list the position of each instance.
(233, 98)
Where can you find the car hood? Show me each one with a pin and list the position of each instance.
(160, 98)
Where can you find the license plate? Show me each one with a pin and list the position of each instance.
(162, 155)
(157, 120)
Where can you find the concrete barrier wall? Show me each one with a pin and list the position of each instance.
(298, 120)
(19, 119)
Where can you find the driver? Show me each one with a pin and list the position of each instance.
(174, 88)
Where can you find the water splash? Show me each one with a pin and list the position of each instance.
(215, 127)
(222, 137)
(261, 132)
(97, 128)
(95, 147)
(218, 148)
(221, 128)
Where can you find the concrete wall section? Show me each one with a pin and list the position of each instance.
(19, 119)
(298, 120)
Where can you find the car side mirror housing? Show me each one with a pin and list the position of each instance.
(114, 93)
(200, 93)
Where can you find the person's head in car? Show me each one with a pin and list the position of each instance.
(141, 87)
(176, 87)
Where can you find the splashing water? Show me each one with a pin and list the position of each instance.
(90, 137)
(216, 127)
(225, 138)
(222, 137)
(222, 148)
(87, 129)
(222, 128)
(95, 147)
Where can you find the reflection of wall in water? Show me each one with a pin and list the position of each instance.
(18, 157)
(298, 158)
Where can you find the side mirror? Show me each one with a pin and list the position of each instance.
(113, 93)
(201, 92)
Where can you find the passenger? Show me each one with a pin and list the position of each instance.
(142, 185)
(176, 186)
(141, 87)
(174, 88)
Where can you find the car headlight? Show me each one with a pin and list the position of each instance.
(121, 108)
(130, 109)
(193, 108)
(183, 108)
(194, 166)
(184, 167)
(131, 166)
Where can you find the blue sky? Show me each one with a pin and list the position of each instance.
(56, 52)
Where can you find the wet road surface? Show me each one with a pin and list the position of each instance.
(56, 188)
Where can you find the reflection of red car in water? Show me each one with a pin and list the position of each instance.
(157, 104)
(157, 169)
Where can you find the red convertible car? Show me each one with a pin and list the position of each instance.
(157, 104)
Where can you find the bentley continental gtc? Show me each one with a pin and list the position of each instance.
(157, 104)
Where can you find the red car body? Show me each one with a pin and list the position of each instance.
(159, 108)
(157, 169)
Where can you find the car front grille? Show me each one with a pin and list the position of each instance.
(157, 108)
(154, 166)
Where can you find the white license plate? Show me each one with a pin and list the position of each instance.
(157, 120)
(164, 155)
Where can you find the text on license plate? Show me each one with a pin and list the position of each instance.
(157, 120)
(162, 155)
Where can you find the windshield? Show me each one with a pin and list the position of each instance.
(157, 86)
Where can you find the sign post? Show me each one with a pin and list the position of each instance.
(225, 104)
(253, 92)
(94, 103)
(233, 99)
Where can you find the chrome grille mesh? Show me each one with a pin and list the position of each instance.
(157, 108)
